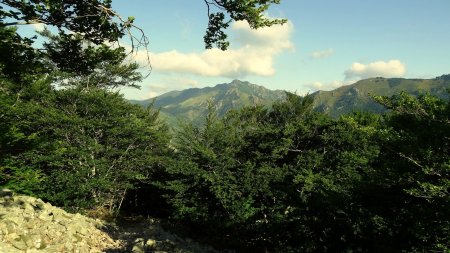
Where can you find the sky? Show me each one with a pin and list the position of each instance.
(325, 44)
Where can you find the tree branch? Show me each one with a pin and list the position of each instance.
(136, 42)
(410, 159)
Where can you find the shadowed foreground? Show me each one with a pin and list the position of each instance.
(31, 225)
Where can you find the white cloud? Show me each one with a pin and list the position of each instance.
(328, 85)
(38, 27)
(154, 89)
(254, 56)
(358, 71)
(148, 95)
(392, 68)
(275, 38)
(322, 54)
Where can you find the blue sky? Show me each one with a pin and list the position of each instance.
(326, 44)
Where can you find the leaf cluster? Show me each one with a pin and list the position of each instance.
(251, 11)
(83, 17)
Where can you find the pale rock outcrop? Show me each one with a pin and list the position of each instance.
(30, 225)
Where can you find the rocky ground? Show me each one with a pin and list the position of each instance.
(139, 235)
(30, 225)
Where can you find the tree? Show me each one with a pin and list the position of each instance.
(93, 18)
(23, 109)
(288, 180)
(412, 174)
(251, 11)
(99, 23)
(18, 56)
(88, 31)
(41, 124)
(272, 179)
(105, 147)
(80, 148)
(89, 65)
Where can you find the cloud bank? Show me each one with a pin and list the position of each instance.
(327, 85)
(358, 71)
(254, 55)
(154, 89)
(322, 54)
(392, 68)
(38, 27)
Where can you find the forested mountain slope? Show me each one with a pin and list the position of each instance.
(192, 104)
(357, 97)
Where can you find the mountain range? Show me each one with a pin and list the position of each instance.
(192, 104)
(357, 96)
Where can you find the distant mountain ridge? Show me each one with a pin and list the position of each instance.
(192, 104)
(356, 97)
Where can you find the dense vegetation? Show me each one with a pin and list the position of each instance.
(289, 179)
(278, 179)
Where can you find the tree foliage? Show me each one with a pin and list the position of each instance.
(94, 18)
(251, 11)
(87, 31)
(18, 56)
(99, 23)
(66, 136)
(286, 179)
(78, 147)
(90, 65)
(414, 171)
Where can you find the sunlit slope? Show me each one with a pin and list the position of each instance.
(192, 104)
(357, 97)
